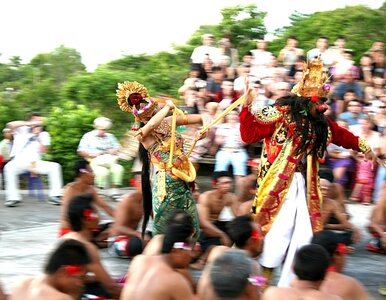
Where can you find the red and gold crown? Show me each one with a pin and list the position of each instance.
(313, 83)
(130, 94)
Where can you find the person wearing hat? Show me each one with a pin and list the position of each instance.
(101, 148)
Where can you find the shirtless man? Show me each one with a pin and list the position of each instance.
(83, 219)
(125, 234)
(310, 266)
(63, 277)
(247, 237)
(155, 277)
(377, 226)
(83, 184)
(211, 204)
(335, 282)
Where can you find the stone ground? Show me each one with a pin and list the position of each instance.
(29, 231)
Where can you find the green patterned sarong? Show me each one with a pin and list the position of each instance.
(178, 196)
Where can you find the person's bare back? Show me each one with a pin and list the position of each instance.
(274, 293)
(151, 278)
(346, 287)
(36, 289)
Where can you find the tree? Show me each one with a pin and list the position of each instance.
(66, 124)
(360, 25)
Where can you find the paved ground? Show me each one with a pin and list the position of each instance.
(29, 231)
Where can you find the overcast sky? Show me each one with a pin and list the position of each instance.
(103, 30)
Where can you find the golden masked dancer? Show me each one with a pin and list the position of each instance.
(295, 134)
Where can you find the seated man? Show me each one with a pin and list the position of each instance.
(233, 275)
(377, 226)
(29, 143)
(125, 234)
(310, 267)
(335, 282)
(63, 277)
(101, 148)
(156, 277)
(83, 219)
(247, 237)
(211, 204)
(84, 184)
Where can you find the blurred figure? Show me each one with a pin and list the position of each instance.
(213, 223)
(6, 144)
(84, 184)
(232, 54)
(232, 150)
(101, 148)
(30, 142)
(63, 277)
(322, 49)
(233, 275)
(247, 238)
(261, 58)
(84, 219)
(126, 240)
(335, 282)
(155, 277)
(334, 218)
(377, 225)
(310, 266)
(290, 53)
(206, 49)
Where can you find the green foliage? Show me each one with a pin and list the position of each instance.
(360, 25)
(67, 123)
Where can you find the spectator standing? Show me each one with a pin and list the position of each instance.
(226, 49)
(261, 58)
(206, 50)
(232, 150)
(30, 142)
(322, 49)
(290, 53)
(101, 148)
(6, 144)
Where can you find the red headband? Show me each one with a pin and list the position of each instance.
(72, 270)
(88, 214)
(255, 234)
(341, 249)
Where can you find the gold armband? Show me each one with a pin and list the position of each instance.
(184, 119)
(363, 146)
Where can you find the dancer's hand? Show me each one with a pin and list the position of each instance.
(170, 103)
(200, 135)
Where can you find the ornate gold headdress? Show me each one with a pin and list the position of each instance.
(313, 84)
(130, 95)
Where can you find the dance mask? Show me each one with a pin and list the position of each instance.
(133, 97)
(313, 85)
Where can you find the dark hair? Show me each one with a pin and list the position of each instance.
(32, 114)
(240, 230)
(179, 216)
(180, 231)
(217, 175)
(327, 239)
(307, 126)
(216, 69)
(69, 252)
(292, 37)
(145, 185)
(80, 164)
(76, 208)
(229, 273)
(311, 262)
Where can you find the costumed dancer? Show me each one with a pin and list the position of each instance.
(296, 133)
(162, 148)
